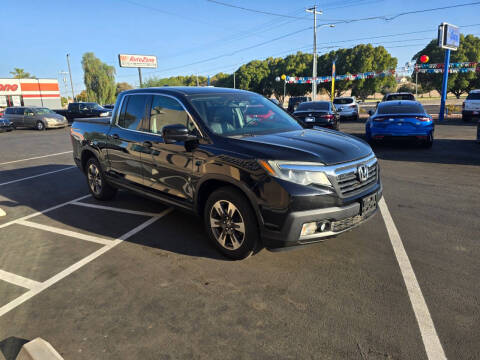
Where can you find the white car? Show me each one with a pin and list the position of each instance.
(347, 107)
(471, 106)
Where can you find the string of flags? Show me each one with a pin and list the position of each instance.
(450, 71)
(326, 79)
(452, 65)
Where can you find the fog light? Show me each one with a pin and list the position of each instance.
(309, 229)
(323, 226)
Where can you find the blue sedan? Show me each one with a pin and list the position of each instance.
(400, 119)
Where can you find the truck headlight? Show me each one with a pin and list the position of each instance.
(303, 173)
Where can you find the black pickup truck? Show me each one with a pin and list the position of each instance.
(84, 110)
(255, 181)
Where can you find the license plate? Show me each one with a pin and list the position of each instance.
(369, 204)
(309, 119)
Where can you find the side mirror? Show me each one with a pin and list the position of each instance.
(370, 112)
(176, 132)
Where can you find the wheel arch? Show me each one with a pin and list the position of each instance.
(209, 185)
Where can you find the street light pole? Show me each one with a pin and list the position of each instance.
(314, 11)
(70, 72)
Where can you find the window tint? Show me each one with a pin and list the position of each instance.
(473, 96)
(316, 105)
(400, 109)
(400, 97)
(343, 101)
(9, 111)
(166, 111)
(133, 112)
(21, 111)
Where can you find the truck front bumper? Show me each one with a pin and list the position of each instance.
(337, 220)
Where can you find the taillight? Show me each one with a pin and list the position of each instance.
(352, 106)
(328, 117)
(424, 118)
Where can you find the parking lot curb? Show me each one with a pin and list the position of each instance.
(38, 349)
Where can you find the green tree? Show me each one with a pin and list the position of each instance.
(458, 83)
(63, 101)
(122, 86)
(99, 79)
(21, 74)
(222, 80)
(83, 97)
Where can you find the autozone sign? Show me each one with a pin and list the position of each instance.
(137, 61)
(9, 87)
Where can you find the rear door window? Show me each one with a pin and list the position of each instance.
(9, 111)
(132, 116)
(20, 111)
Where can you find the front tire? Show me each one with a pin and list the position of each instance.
(231, 223)
(40, 126)
(97, 184)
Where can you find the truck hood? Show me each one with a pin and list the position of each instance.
(312, 145)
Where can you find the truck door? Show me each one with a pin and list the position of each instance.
(125, 140)
(168, 167)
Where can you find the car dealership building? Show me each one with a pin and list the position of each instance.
(30, 92)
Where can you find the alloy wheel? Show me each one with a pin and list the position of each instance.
(227, 225)
(94, 179)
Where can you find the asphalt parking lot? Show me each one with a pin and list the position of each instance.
(134, 279)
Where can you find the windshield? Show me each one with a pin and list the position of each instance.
(242, 114)
(400, 97)
(473, 96)
(400, 109)
(90, 106)
(43, 111)
(343, 101)
(311, 106)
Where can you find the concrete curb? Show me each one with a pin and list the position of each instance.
(38, 349)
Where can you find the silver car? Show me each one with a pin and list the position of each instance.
(34, 117)
(347, 107)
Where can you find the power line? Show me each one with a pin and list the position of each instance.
(256, 11)
(395, 16)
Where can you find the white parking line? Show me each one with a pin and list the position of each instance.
(56, 278)
(35, 176)
(36, 157)
(73, 234)
(43, 211)
(432, 344)
(18, 280)
(126, 211)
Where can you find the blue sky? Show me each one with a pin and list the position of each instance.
(36, 35)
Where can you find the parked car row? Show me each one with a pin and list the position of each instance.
(34, 117)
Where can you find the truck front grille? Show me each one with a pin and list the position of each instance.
(349, 183)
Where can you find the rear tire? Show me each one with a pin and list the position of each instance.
(97, 184)
(40, 126)
(429, 142)
(231, 223)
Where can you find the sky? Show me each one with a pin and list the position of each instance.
(204, 37)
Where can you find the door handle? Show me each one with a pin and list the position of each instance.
(147, 144)
(115, 136)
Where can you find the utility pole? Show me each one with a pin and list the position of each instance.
(314, 11)
(197, 79)
(234, 80)
(70, 72)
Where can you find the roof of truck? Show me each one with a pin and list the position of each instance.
(187, 90)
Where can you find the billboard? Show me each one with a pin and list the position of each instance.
(448, 36)
(137, 61)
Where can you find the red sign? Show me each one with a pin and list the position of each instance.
(8, 87)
